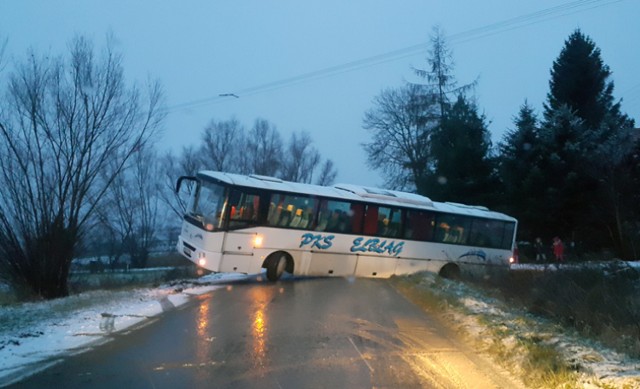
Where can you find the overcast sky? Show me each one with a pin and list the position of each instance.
(317, 66)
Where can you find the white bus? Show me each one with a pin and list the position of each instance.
(237, 223)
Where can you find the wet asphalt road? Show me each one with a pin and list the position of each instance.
(298, 333)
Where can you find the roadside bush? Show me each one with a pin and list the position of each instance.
(602, 302)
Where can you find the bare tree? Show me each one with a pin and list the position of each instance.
(221, 145)
(130, 211)
(400, 124)
(300, 160)
(68, 120)
(264, 149)
(404, 119)
(3, 47)
(328, 173)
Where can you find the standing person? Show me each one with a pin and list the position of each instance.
(558, 249)
(539, 247)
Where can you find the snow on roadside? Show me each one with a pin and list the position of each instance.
(481, 318)
(32, 333)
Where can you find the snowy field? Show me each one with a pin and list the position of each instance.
(34, 336)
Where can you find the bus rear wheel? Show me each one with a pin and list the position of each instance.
(450, 271)
(276, 264)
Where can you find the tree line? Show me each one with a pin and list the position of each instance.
(80, 173)
(573, 172)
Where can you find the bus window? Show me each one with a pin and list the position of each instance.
(492, 233)
(244, 209)
(336, 216)
(389, 220)
(382, 221)
(486, 233)
(507, 239)
(419, 225)
(291, 211)
(452, 228)
(209, 206)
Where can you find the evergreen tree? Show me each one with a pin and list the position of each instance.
(519, 171)
(615, 167)
(582, 127)
(461, 150)
(441, 85)
(579, 80)
(568, 191)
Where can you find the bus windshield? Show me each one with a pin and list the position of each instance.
(209, 206)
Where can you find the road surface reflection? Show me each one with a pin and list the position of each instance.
(259, 329)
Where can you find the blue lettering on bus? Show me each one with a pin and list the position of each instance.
(478, 253)
(318, 241)
(375, 245)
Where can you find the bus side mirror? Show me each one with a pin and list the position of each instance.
(179, 182)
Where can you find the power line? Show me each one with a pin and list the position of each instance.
(632, 94)
(462, 37)
(530, 19)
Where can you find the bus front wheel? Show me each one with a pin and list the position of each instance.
(276, 264)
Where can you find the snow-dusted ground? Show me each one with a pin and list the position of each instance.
(33, 335)
(486, 320)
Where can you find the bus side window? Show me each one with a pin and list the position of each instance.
(338, 217)
(272, 210)
(323, 220)
(420, 225)
(442, 232)
(391, 223)
(297, 219)
(454, 235)
(335, 221)
(276, 210)
(242, 209)
(307, 218)
(286, 216)
(507, 237)
(323, 216)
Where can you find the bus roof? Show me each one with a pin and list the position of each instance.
(353, 193)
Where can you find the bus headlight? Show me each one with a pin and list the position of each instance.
(257, 241)
(202, 259)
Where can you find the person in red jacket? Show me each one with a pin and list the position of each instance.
(558, 249)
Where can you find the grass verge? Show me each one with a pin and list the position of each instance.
(530, 347)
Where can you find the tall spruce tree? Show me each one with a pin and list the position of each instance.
(580, 117)
(579, 80)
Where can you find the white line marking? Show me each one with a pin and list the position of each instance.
(361, 356)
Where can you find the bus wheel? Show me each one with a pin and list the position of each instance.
(276, 264)
(450, 271)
